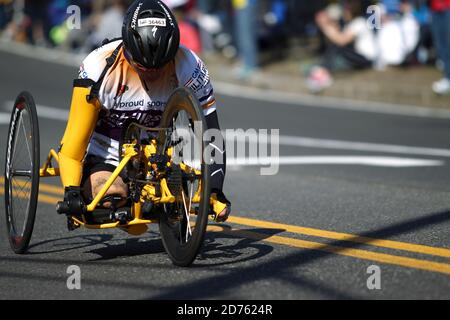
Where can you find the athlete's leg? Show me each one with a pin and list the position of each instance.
(95, 182)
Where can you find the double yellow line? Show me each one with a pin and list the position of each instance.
(391, 259)
(402, 261)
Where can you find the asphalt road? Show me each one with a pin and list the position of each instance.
(360, 189)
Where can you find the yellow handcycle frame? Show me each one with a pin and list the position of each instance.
(138, 225)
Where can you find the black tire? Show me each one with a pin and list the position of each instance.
(22, 173)
(181, 249)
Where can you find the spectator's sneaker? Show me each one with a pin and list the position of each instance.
(442, 87)
(318, 80)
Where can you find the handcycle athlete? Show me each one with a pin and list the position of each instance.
(130, 80)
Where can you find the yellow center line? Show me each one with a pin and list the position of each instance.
(51, 189)
(48, 199)
(389, 244)
(42, 197)
(42, 187)
(349, 252)
(416, 248)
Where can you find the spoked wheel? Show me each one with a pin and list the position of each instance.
(183, 223)
(22, 172)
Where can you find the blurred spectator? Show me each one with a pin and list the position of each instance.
(58, 14)
(76, 39)
(6, 12)
(107, 24)
(37, 23)
(423, 53)
(246, 36)
(189, 35)
(215, 21)
(398, 36)
(57, 11)
(392, 7)
(272, 33)
(441, 32)
(256, 32)
(350, 47)
(353, 43)
(300, 16)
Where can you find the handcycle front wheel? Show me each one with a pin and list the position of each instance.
(22, 172)
(183, 224)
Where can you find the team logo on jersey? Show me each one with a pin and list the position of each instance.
(139, 104)
(129, 104)
(199, 79)
(82, 74)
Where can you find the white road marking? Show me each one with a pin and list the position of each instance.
(4, 118)
(43, 112)
(307, 142)
(392, 162)
(52, 113)
(293, 141)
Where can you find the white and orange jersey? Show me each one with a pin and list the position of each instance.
(123, 96)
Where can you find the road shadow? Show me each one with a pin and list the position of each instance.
(214, 249)
(76, 242)
(281, 269)
(408, 225)
(228, 260)
(110, 247)
(131, 247)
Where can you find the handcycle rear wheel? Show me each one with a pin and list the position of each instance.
(22, 172)
(182, 231)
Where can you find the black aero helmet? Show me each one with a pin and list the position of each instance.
(150, 34)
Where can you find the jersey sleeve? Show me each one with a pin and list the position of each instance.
(193, 74)
(91, 68)
(93, 65)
